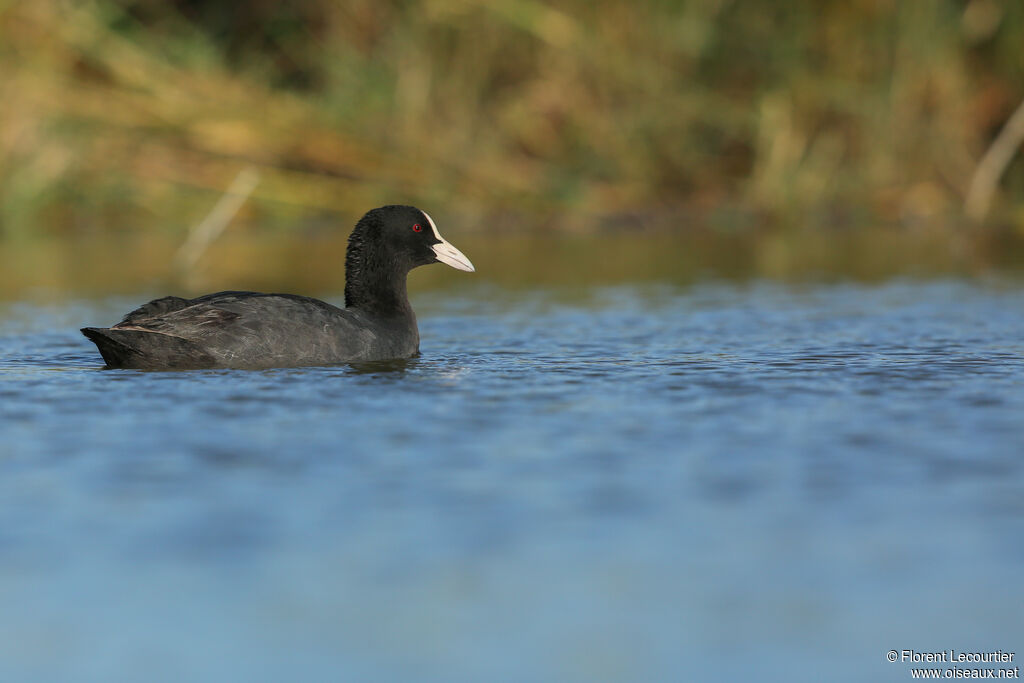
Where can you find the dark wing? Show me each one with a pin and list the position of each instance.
(188, 322)
(155, 314)
(248, 329)
(154, 309)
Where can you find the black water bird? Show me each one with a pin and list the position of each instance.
(254, 330)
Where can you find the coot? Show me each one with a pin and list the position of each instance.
(254, 330)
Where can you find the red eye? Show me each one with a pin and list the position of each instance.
(417, 227)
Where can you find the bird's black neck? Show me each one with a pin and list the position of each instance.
(374, 282)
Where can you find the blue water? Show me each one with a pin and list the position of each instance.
(639, 483)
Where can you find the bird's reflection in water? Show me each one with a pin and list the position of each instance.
(394, 367)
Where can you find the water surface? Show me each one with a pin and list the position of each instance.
(639, 482)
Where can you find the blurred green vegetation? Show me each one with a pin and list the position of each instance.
(128, 115)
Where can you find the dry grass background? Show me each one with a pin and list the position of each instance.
(135, 115)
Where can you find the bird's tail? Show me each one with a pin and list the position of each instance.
(146, 350)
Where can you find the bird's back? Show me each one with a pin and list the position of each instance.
(250, 330)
